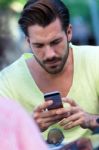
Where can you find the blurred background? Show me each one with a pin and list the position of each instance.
(84, 18)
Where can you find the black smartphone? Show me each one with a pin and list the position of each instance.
(56, 97)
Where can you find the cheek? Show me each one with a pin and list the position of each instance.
(39, 55)
(61, 48)
(36, 52)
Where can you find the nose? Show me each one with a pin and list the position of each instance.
(49, 52)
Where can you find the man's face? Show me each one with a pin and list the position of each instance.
(50, 45)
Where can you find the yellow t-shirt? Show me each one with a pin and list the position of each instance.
(17, 83)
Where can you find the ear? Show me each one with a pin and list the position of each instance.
(27, 39)
(69, 33)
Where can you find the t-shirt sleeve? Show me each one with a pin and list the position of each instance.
(96, 61)
(6, 86)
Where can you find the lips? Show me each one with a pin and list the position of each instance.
(52, 63)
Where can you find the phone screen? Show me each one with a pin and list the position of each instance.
(55, 96)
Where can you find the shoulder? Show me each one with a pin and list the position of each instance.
(88, 50)
(87, 53)
(16, 67)
(12, 68)
(12, 76)
(87, 57)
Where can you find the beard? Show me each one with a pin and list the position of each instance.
(54, 65)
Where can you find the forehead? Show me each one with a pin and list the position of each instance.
(38, 33)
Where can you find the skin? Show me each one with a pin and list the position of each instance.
(45, 119)
(77, 116)
(53, 60)
(50, 46)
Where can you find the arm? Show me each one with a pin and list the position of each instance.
(5, 86)
(77, 116)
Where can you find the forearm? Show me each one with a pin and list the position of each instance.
(93, 122)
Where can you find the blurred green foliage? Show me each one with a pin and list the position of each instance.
(7, 3)
(79, 7)
(76, 7)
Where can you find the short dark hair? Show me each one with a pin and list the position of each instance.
(43, 12)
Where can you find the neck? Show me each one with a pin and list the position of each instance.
(49, 82)
(68, 67)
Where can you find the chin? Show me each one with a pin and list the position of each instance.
(54, 71)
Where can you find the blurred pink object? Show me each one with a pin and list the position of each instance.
(17, 130)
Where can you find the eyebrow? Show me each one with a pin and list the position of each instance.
(56, 40)
(36, 43)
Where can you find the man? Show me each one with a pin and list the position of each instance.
(56, 65)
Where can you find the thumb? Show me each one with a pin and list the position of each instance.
(69, 101)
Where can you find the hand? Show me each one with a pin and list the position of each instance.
(44, 118)
(76, 116)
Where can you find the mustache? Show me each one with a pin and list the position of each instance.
(54, 59)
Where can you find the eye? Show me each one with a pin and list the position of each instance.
(55, 42)
(38, 45)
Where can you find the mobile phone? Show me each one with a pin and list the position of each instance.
(56, 98)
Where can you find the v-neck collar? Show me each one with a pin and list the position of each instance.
(74, 72)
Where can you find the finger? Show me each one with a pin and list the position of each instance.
(65, 111)
(47, 124)
(43, 124)
(49, 113)
(74, 117)
(68, 111)
(71, 118)
(71, 124)
(51, 116)
(48, 116)
(70, 101)
(43, 106)
(63, 122)
(49, 119)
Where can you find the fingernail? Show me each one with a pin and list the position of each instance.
(50, 102)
